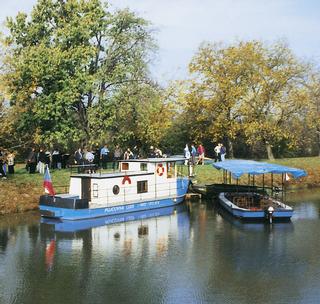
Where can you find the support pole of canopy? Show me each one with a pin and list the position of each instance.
(271, 184)
(263, 182)
(282, 187)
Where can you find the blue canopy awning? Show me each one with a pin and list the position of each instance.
(240, 167)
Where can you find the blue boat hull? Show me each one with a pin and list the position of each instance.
(79, 214)
(278, 214)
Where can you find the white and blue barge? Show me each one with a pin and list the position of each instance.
(140, 184)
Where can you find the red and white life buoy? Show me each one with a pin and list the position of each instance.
(126, 178)
(160, 169)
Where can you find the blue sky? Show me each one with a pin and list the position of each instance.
(181, 25)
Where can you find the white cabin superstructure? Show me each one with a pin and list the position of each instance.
(137, 180)
(140, 184)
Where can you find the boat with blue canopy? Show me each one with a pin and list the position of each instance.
(262, 204)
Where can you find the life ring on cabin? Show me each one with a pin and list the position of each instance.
(126, 178)
(160, 169)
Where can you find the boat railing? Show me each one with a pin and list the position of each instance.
(111, 167)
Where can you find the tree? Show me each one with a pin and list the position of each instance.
(246, 89)
(312, 112)
(214, 93)
(67, 61)
(275, 95)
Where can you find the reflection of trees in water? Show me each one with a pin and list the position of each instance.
(4, 239)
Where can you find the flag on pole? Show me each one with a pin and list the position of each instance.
(47, 183)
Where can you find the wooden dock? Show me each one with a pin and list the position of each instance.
(193, 196)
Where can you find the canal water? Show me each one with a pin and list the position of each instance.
(194, 254)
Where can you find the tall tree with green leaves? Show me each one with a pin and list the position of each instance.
(275, 95)
(215, 90)
(245, 89)
(65, 63)
(312, 112)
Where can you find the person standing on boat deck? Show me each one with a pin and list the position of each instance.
(104, 156)
(157, 152)
(88, 159)
(186, 154)
(217, 155)
(116, 157)
(223, 152)
(78, 159)
(151, 153)
(201, 151)
(128, 154)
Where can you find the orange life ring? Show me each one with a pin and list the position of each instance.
(160, 169)
(126, 179)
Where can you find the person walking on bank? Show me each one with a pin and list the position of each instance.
(104, 156)
(201, 152)
(223, 152)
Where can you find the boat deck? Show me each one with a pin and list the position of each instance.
(252, 201)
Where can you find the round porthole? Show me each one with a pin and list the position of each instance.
(116, 189)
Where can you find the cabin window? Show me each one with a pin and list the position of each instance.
(95, 190)
(116, 189)
(170, 169)
(124, 166)
(142, 186)
(143, 167)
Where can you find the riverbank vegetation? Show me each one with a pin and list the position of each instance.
(20, 193)
(76, 73)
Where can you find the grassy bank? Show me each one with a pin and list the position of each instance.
(20, 192)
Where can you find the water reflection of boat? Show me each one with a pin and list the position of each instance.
(73, 226)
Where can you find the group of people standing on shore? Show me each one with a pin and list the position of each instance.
(193, 152)
(219, 152)
(6, 163)
(37, 160)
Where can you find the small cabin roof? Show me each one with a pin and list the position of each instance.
(238, 167)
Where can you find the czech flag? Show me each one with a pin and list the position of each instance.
(47, 183)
